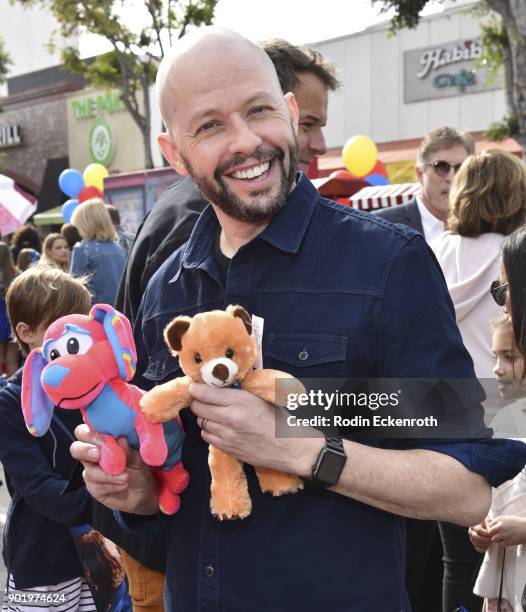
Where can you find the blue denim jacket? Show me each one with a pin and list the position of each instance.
(104, 261)
(342, 294)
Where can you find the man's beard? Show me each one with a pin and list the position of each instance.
(259, 207)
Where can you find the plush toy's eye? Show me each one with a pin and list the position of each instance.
(198, 358)
(229, 353)
(54, 354)
(73, 346)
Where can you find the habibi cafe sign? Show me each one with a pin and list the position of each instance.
(441, 71)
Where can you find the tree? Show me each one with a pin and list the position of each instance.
(5, 62)
(504, 43)
(132, 63)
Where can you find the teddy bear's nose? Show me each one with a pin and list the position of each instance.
(220, 372)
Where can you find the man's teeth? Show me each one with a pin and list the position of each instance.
(251, 173)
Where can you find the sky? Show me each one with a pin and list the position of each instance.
(298, 21)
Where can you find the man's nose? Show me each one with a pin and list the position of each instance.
(497, 370)
(243, 138)
(317, 142)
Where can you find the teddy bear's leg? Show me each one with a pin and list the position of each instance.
(278, 483)
(229, 490)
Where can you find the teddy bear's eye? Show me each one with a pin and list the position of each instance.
(198, 358)
(229, 353)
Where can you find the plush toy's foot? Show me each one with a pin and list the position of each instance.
(177, 478)
(229, 490)
(169, 503)
(278, 483)
(112, 457)
(230, 508)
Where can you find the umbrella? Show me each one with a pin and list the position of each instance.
(15, 206)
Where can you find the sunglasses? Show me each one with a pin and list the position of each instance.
(498, 291)
(442, 168)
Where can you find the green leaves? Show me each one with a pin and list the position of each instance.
(5, 62)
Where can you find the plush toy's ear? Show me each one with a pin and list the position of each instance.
(36, 406)
(119, 333)
(175, 330)
(241, 313)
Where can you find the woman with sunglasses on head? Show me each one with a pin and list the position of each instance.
(487, 202)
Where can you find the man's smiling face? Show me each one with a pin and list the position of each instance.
(233, 130)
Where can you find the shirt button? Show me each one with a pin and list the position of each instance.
(209, 571)
(303, 355)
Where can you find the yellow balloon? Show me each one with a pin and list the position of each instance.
(94, 176)
(359, 155)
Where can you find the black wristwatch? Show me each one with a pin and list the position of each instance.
(330, 463)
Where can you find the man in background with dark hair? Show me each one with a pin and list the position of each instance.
(439, 157)
(169, 224)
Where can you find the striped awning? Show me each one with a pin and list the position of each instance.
(384, 196)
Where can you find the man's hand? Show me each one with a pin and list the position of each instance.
(244, 425)
(479, 536)
(508, 530)
(134, 490)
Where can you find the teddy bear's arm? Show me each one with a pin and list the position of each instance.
(165, 401)
(263, 384)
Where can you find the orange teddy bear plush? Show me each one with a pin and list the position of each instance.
(217, 348)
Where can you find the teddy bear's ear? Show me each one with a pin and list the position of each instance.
(241, 313)
(175, 330)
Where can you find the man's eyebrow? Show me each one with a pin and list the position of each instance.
(310, 117)
(260, 96)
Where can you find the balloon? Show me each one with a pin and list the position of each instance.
(377, 179)
(68, 208)
(379, 168)
(71, 182)
(94, 176)
(341, 174)
(86, 193)
(359, 155)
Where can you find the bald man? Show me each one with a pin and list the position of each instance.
(300, 70)
(269, 242)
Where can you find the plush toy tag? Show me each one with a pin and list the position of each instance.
(257, 334)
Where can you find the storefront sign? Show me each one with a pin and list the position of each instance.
(92, 107)
(10, 136)
(444, 71)
(101, 142)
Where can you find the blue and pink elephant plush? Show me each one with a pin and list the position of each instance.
(86, 363)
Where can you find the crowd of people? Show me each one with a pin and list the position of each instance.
(433, 289)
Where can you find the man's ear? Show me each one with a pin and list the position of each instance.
(171, 153)
(292, 105)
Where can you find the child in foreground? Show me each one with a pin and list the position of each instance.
(38, 550)
(502, 535)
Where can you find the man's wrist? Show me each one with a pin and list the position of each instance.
(304, 452)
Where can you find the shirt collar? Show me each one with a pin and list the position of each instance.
(285, 231)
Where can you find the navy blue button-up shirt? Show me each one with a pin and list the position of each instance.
(342, 294)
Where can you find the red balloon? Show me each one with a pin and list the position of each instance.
(86, 193)
(379, 169)
(341, 174)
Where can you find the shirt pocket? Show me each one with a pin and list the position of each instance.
(307, 355)
(163, 366)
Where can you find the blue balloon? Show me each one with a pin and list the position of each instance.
(71, 182)
(376, 179)
(68, 208)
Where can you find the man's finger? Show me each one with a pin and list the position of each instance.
(85, 453)
(208, 411)
(84, 434)
(209, 395)
(133, 457)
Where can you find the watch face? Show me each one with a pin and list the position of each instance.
(330, 467)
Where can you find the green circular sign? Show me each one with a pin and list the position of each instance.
(101, 142)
